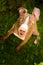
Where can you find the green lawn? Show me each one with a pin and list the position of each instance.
(29, 53)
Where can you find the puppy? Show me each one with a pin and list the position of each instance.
(25, 26)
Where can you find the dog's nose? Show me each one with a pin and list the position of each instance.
(22, 32)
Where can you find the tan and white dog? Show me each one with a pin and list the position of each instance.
(25, 26)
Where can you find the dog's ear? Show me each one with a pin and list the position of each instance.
(36, 13)
(22, 10)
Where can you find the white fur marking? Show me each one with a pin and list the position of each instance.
(27, 20)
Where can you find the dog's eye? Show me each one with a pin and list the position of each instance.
(34, 15)
(21, 21)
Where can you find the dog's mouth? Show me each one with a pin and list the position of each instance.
(22, 33)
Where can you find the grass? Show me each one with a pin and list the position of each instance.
(29, 53)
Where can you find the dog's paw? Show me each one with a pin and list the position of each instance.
(1, 39)
(35, 42)
(17, 49)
